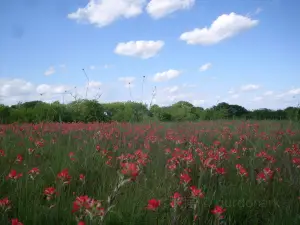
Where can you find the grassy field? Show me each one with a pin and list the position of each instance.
(218, 172)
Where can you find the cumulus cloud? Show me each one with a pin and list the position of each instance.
(166, 75)
(104, 12)
(291, 92)
(250, 87)
(294, 91)
(224, 27)
(141, 49)
(205, 67)
(52, 89)
(13, 91)
(15, 87)
(161, 8)
(51, 70)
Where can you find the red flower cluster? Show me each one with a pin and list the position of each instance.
(64, 176)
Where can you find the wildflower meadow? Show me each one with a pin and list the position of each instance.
(213, 172)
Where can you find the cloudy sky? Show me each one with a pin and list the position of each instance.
(203, 51)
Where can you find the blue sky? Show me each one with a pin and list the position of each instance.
(239, 51)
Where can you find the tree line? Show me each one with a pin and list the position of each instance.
(92, 111)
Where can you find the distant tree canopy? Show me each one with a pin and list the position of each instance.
(92, 111)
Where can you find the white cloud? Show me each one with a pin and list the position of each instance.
(291, 92)
(13, 91)
(257, 99)
(294, 91)
(224, 27)
(186, 85)
(141, 49)
(235, 96)
(92, 67)
(50, 71)
(15, 87)
(250, 87)
(94, 84)
(171, 90)
(164, 98)
(166, 75)
(268, 93)
(205, 67)
(127, 79)
(43, 88)
(160, 8)
(198, 102)
(104, 12)
(51, 89)
(231, 91)
(179, 97)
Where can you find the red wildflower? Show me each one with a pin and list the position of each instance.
(64, 176)
(218, 210)
(233, 151)
(16, 222)
(81, 223)
(82, 177)
(5, 204)
(208, 163)
(2, 153)
(172, 167)
(177, 200)
(220, 171)
(167, 151)
(82, 204)
(241, 170)
(261, 177)
(98, 148)
(269, 173)
(19, 159)
(185, 178)
(196, 192)
(153, 204)
(296, 161)
(49, 192)
(130, 169)
(72, 156)
(14, 175)
(30, 150)
(81, 201)
(40, 143)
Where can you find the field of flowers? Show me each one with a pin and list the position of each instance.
(218, 172)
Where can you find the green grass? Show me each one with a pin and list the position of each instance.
(246, 201)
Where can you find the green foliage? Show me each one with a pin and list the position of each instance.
(92, 111)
